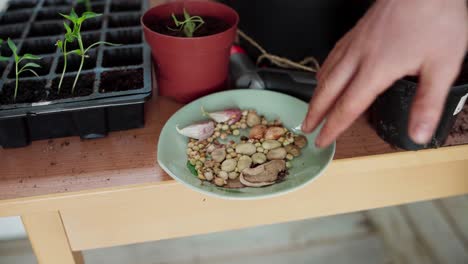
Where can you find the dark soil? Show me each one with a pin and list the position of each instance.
(113, 81)
(84, 87)
(459, 133)
(212, 26)
(28, 92)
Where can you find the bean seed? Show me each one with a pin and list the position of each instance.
(233, 175)
(253, 119)
(244, 162)
(293, 150)
(271, 144)
(259, 158)
(229, 150)
(246, 148)
(300, 141)
(208, 175)
(219, 154)
(223, 175)
(229, 165)
(219, 181)
(276, 154)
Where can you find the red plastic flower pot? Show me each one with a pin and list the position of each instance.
(190, 67)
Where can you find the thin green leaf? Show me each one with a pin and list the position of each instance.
(59, 44)
(77, 52)
(101, 42)
(73, 14)
(25, 70)
(4, 58)
(186, 15)
(67, 28)
(176, 21)
(31, 65)
(89, 15)
(29, 56)
(12, 46)
(72, 19)
(1, 41)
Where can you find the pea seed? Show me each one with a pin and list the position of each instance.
(258, 144)
(260, 149)
(288, 165)
(190, 145)
(193, 162)
(243, 125)
(289, 157)
(217, 134)
(223, 136)
(230, 150)
(233, 127)
(281, 139)
(196, 148)
(225, 127)
(235, 132)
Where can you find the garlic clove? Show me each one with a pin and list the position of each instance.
(229, 116)
(200, 131)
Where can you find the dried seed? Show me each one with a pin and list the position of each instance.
(223, 175)
(288, 165)
(225, 127)
(277, 154)
(233, 175)
(246, 148)
(259, 158)
(219, 181)
(271, 144)
(229, 165)
(260, 149)
(230, 150)
(253, 119)
(274, 133)
(300, 141)
(223, 136)
(208, 175)
(236, 132)
(289, 157)
(244, 162)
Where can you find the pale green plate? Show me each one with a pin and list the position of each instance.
(172, 146)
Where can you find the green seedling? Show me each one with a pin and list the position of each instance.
(189, 25)
(75, 34)
(87, 4)
(26, 67)
(62, 44)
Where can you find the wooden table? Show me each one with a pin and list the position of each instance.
(76, 195)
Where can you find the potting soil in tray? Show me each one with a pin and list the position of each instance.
(114, 78)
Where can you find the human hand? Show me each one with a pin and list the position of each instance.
(394, 39)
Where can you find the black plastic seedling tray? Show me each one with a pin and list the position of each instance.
(112, 89)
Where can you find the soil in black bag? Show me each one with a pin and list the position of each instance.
(211, 26)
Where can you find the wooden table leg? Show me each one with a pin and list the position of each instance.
(49, 240)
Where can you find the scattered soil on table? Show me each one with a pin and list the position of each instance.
(212, 26)
(28, 92)
(84, 87)
(114, 81)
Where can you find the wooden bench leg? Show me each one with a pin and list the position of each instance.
(49, 240)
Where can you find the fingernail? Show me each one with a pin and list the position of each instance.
(421, 133)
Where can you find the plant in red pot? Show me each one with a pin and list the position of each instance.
(190, 43)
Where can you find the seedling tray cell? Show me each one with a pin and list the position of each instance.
(113, 86)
